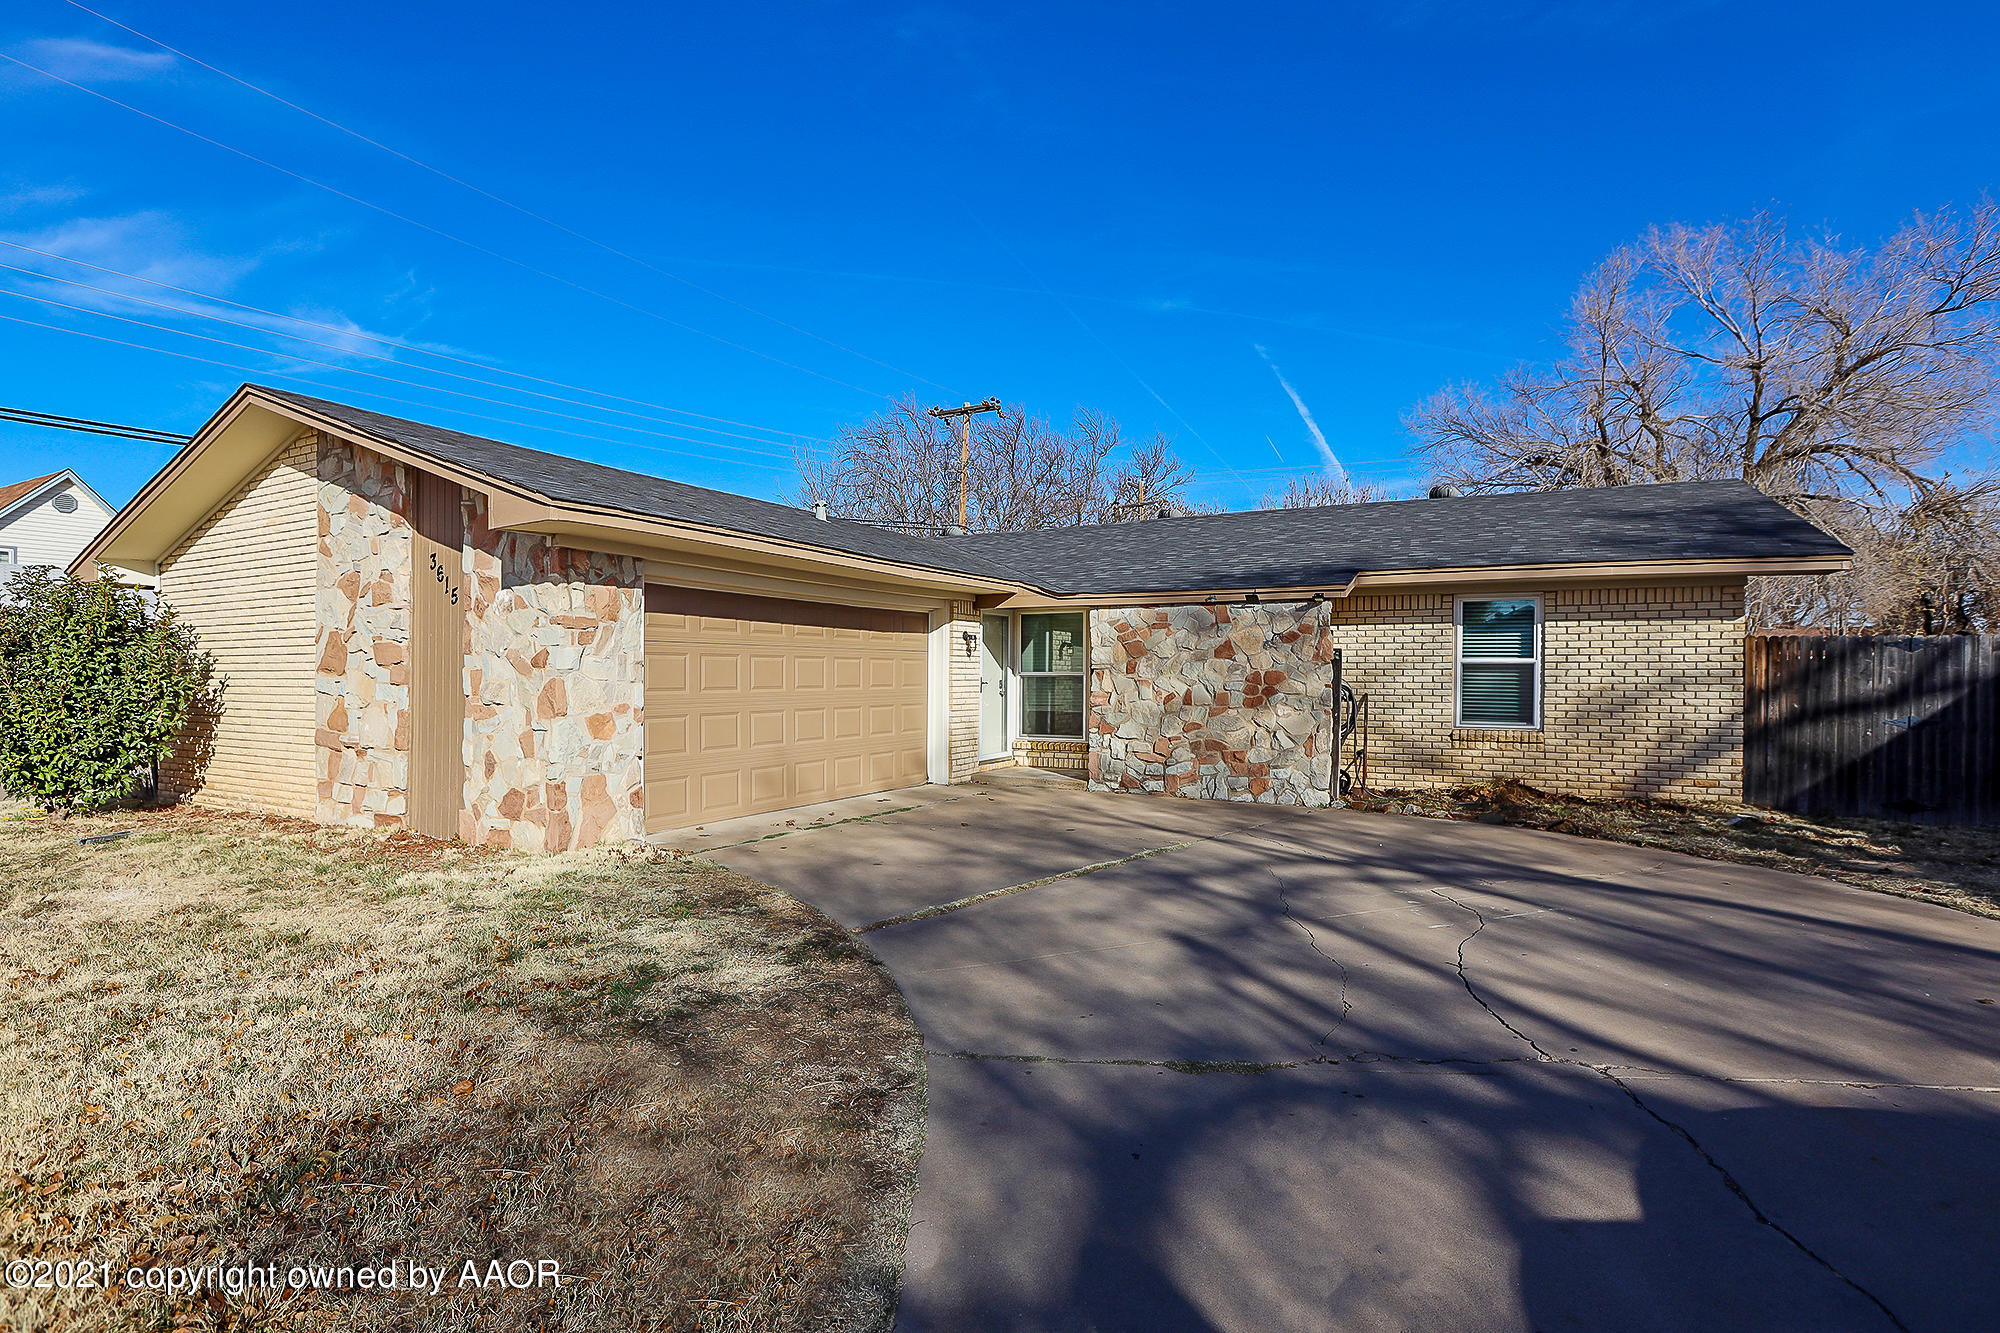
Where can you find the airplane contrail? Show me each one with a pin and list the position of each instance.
(1305, 414)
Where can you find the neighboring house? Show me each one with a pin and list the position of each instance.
(48, 521)
(427, 629)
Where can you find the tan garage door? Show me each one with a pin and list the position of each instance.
(759, 703)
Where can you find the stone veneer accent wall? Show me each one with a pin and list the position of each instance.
(555, 688)
(553, 679)
(1231, 702)
(362, 689)
(1642, 693)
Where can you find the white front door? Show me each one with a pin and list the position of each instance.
(992, 687)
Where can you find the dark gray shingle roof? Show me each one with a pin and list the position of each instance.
(578, 482)
(1327, 546)
(1275, 548)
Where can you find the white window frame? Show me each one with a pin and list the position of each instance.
(10, 555)
(1018, 707)
(1458, 661)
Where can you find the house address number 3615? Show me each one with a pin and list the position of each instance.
(442, 575)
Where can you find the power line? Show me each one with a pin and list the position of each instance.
(332, 347)
(370, 393)
(144, 434)
(375, 375)
(504, 203)
(436, 231)
(402, 344)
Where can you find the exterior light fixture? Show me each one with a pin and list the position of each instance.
(971, 638)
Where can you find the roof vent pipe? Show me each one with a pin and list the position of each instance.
(1445, 491)
(819, 510)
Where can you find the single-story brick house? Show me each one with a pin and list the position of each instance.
(428, 629)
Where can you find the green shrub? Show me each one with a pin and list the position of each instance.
(95, 684)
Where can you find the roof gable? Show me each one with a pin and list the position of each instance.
(22, 493)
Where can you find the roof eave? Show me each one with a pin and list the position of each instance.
(1593, 572)
(510, 508)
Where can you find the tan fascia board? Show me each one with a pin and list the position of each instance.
(1032, 601)
(724, 575)
(176, 467)
(1623, 571)
(620, 533)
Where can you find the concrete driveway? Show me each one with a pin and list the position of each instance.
(1278, 1069)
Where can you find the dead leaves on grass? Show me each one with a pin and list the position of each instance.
(688, 1088)
(1950, 866)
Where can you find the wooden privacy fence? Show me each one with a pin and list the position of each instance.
(1893, 728)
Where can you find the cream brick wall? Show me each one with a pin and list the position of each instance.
(1642, 693)
(964, 699)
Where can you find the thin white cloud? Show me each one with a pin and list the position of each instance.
(156, 246)
(81, 60)
(151, 244)
(27, 198)
(1326, 454)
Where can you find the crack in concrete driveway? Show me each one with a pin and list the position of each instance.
(1728, 1178)
(1668, 1094)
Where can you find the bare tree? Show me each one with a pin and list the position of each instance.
(1932, 567)
(901, 467)
(1833, 378)
(1313, 492)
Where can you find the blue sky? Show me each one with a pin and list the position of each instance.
(1113, 206)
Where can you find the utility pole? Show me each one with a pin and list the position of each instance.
(964, 415)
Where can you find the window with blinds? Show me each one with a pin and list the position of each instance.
(1499, 662)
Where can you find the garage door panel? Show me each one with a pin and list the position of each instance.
(720, 671)
(767, 728)
(667, 798)
(668, 671)
(721, 733)
(767, 783)
(666, 736)
(782, 705)
(720, 791)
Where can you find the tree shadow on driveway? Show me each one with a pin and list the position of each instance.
(1092, 1197)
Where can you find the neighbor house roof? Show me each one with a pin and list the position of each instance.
(20, 490)
(1694, 527)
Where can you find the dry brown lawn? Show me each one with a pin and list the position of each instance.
(230, 1039)
(1955, 867)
